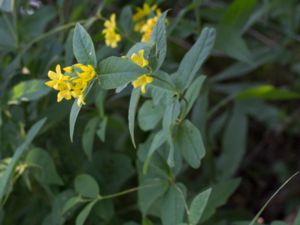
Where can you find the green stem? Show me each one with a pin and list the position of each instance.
(47, 34)
(125, 192)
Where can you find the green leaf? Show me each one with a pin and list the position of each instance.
(104, 209)
(162, 82)
(260, 57)
(73, 117)
(218, 197)
(172, 205)
(7, 5)
(75, 112)
(83, 47)
(100, 101)
(158, 139)
(113, 168)
(88, 136)
(267, 92)
(233, 45)
(230, 30)
(32, 26)
(198, 205)
(8, 36)
(102, 129)
(133, 104)
(86, 186)
(42, 161)
(81, 218)
(69, 57)
(169, 120)
(149, 115)
(30, 90)
(193, 92)
(125, 21)
(70, 203)
(146, 46)
(159, 36)
(238, 14)
(55, 215)
(154, 188)
(194, 58)
(189, 142)
(115, 72)
(263, 112)
(5, 179)
(233, 151)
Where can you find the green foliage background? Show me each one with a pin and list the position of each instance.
(216, 135)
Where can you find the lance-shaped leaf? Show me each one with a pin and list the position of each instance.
(157, 141)
(88, 136)
(194, 58)
(169, 120)
(75, 112)
(192, 93)
(134, 100)
(159, 36)
(198, 205)
(83, 47)
(5, 179)
(82, 216)
(233, 151)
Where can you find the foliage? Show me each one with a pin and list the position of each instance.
(167, 112)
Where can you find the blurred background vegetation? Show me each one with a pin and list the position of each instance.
(248, 111)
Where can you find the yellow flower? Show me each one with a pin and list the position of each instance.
(88, 71)
(141, 14)
(111, 36)
(142, 82)
(64, 92)
(147, 28)
(68, 69)
(143, 23)
(69, 87)
(139, 58)
(79, 84)
(80, 100)
(111, 23)
(57, 78)
(138, 26)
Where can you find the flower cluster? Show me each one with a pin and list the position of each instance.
(141, 14)
(72, 83)
(145, 19)
(144, 79)
(111, 36)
